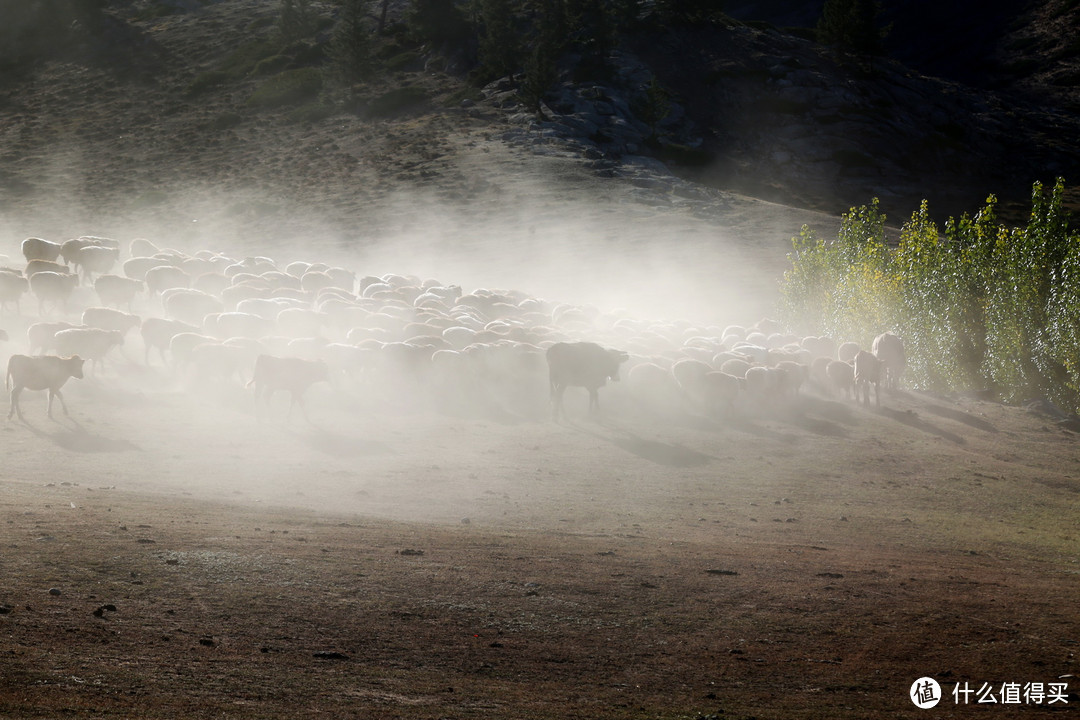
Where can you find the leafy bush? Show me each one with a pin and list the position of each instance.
(287, 88)
(981, 306)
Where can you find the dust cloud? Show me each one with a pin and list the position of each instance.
(380, 438)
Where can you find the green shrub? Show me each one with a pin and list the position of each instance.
(287, 88)
(980, 305)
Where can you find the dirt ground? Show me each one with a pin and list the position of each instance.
(174, 553)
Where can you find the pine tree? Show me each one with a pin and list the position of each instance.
(350, 43)
(689, 11)
(541, 67)
(437, 21)
(296, 19)
(852, 25)
(499, 41)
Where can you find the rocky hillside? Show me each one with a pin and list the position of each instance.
(180, 105)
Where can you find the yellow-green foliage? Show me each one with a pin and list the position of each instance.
(981, 306)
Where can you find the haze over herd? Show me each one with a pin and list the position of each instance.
(220, 324)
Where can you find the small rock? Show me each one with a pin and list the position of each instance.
(721, 572)
(207, 642)
(55, 592)
(329, 655)
(410, 552)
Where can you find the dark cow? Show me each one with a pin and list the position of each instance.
(292, 374)
(43, 372)
(581, 364)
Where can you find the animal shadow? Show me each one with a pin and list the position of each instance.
(76, 438)
(661, 453)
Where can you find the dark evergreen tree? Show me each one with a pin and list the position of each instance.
(852, 25)
(350, 43)
(438, 21)
(500, 44)
(541, 66)
(689, 11)
(296, 19)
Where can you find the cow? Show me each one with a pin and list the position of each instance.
(42, 372)
(581, 364)
(52, 287)
(889, 349)
(868, 371)
(295, 375)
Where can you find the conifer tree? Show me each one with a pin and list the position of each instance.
(852, 25)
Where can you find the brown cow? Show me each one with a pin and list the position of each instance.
(42, 372)
(285, 373)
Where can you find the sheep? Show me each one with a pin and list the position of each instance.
(165, 277)
(36, 266)
(820, 346)
(841, 377)
(72, 250)
(141, 247)
(52, 287)
(40, 336)
(889, 348)
(300, 322)
(190, 306)
(40, 373)
(37, 249)
(721, 391)
(212, 283)
(109, 319)
(181, 346)
(868, 371)
(114, 290)
(795, 374)
(137, 267)
(847, 352)
(96, 260)
(157, 333)
(690, 376)
(764, 383)
(92, 344)
(738, 368)
(13, 285)
(236, 324)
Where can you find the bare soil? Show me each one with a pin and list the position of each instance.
(211, 561)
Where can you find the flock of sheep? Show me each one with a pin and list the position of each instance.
(212, 319)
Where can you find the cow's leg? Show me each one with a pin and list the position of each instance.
(63, 403)
(15, 392)
(557, 401)
(594, 401)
